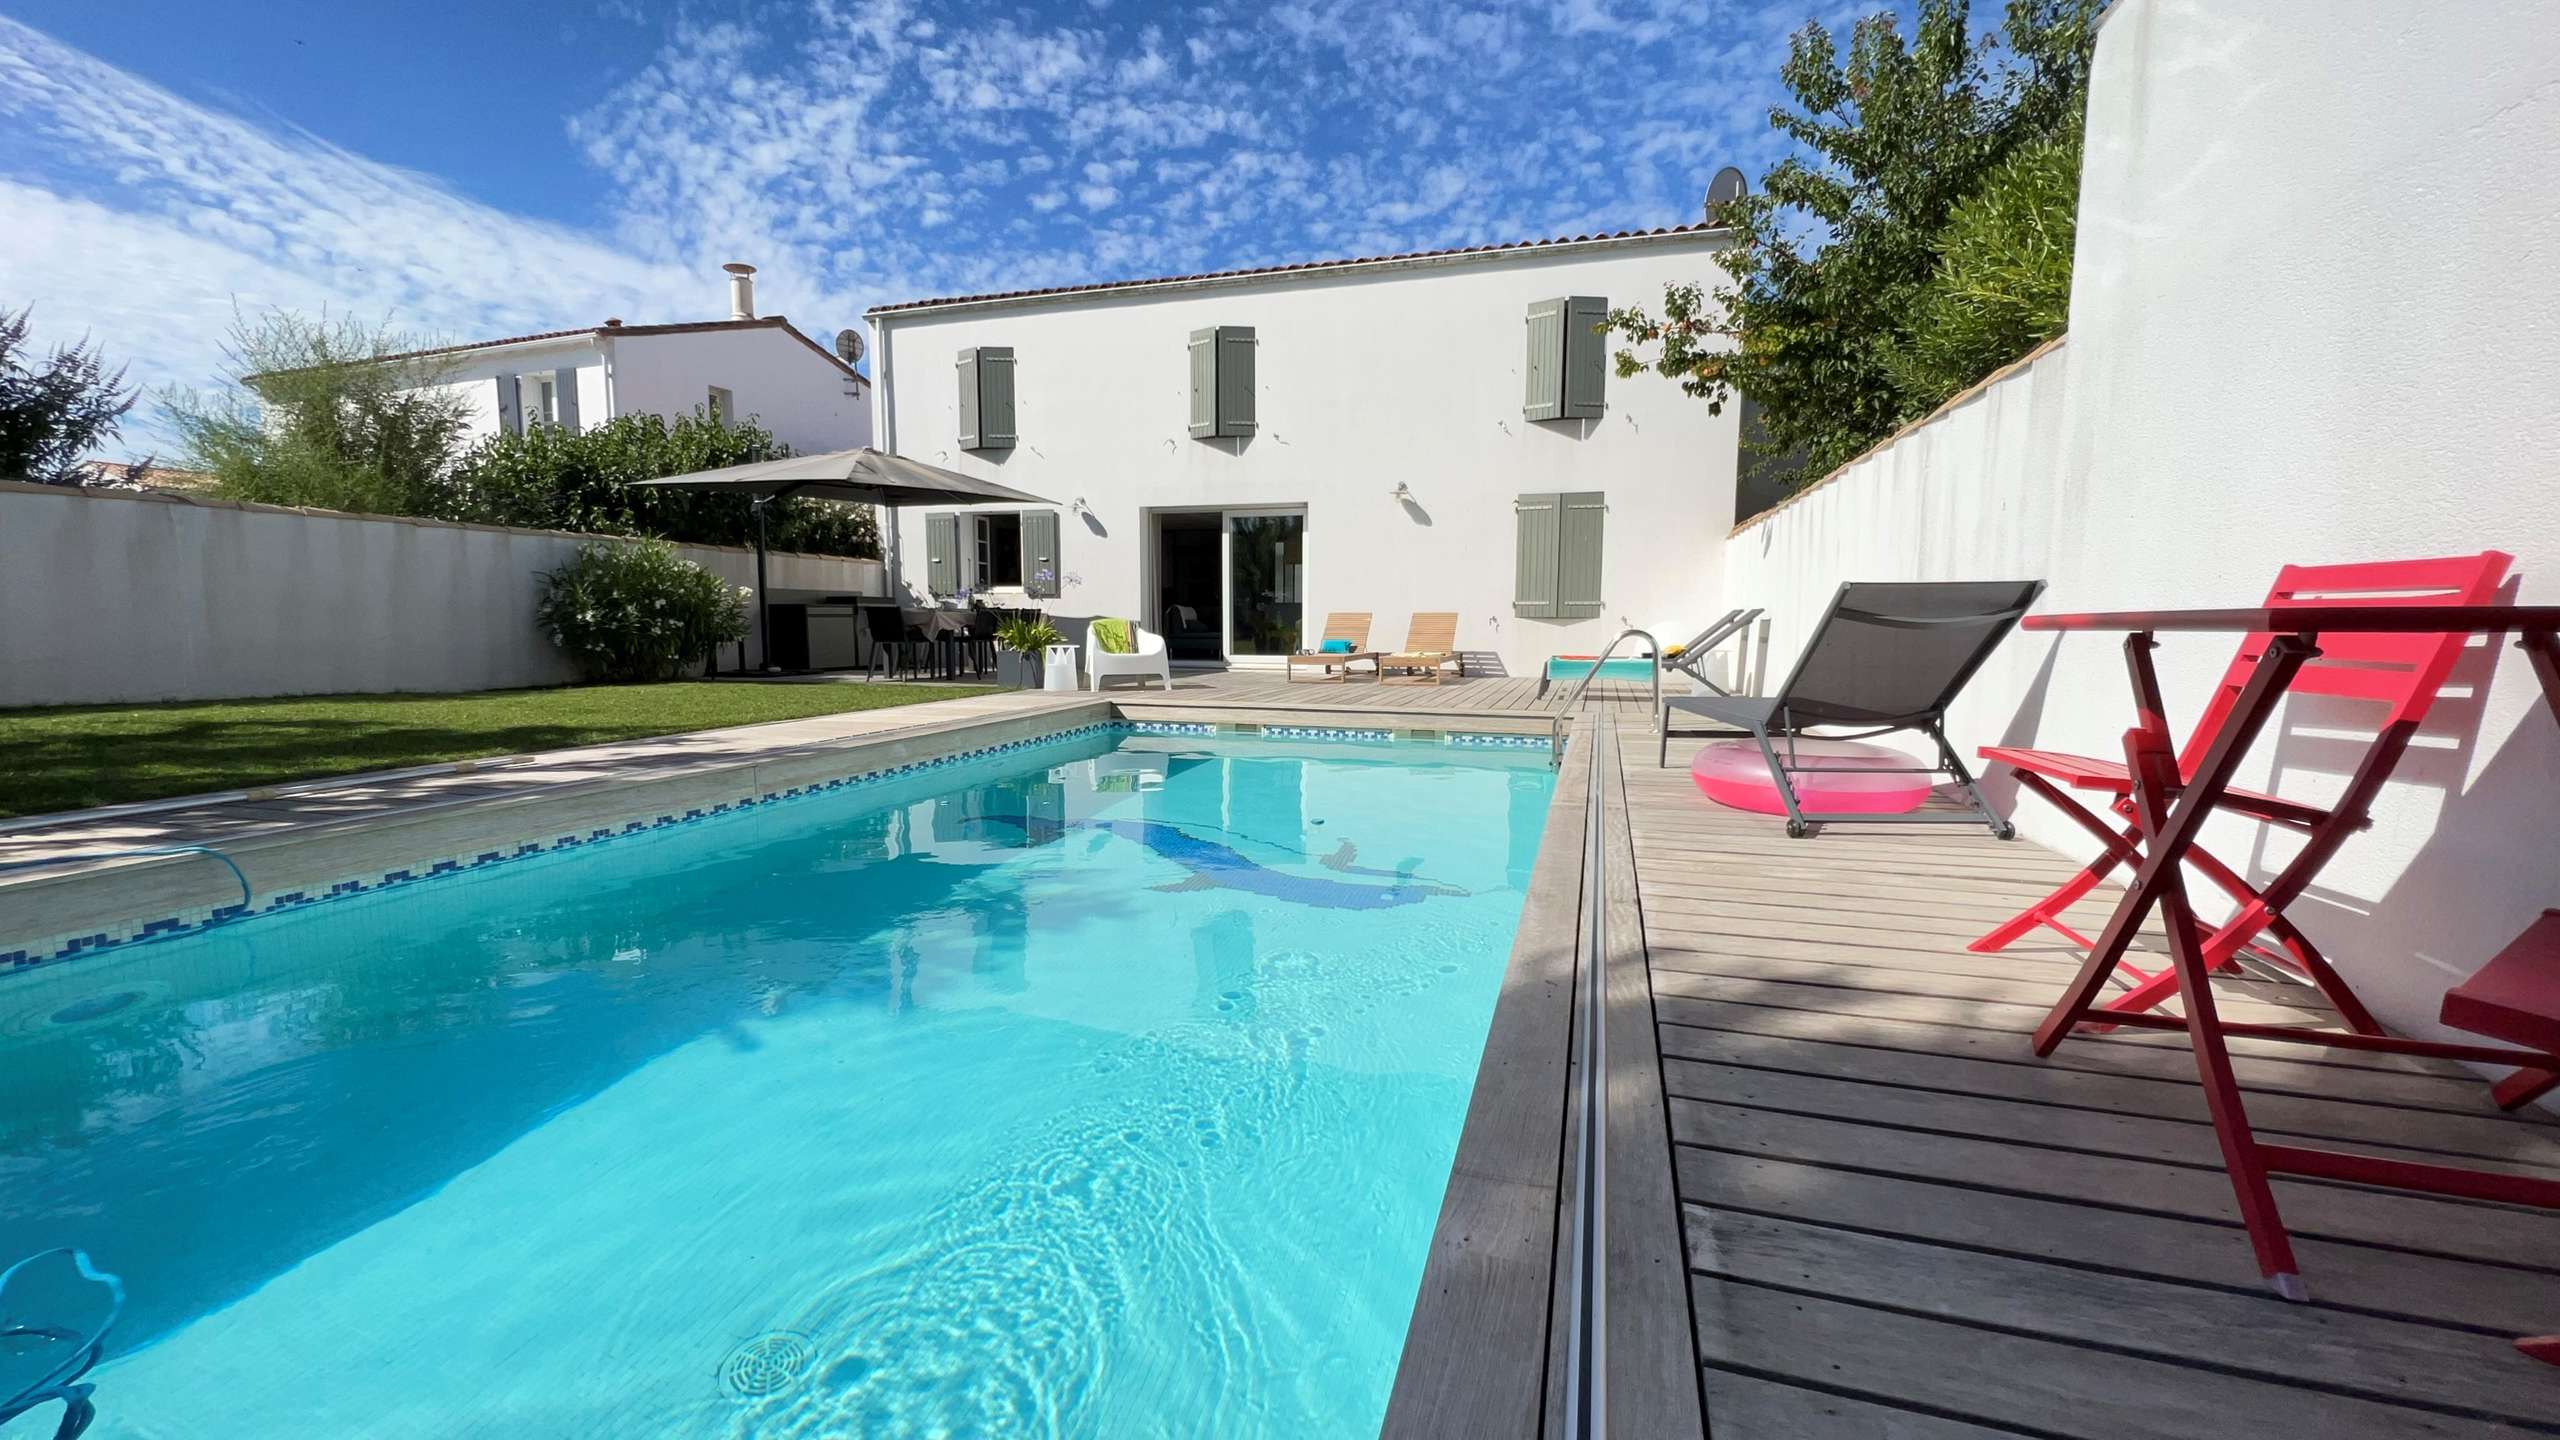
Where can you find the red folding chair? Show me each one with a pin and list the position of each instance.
(2401, 672)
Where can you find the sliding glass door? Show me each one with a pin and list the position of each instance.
(1266, 578)
(1230, 584)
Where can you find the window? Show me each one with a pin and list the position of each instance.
(986, 398)
(1222, 381)
(983, 550)
(999, 550)
(1567, 362)
(721, 406)
(1557, 574)
(525, 400)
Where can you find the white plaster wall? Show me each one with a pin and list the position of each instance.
(792, 390)
(2316, 318)
(1363, 381)
(179, 599)
(474, 376)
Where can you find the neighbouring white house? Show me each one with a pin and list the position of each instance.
(760, 367)
(1235, 455)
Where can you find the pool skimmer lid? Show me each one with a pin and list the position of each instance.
(765, 1364)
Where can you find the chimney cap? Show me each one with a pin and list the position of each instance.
(736, 268)
(612, 322)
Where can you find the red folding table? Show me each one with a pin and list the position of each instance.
(2170, 811)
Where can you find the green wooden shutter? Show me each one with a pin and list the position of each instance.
(1235, 379)
(996, 430)
(1578, 594)
(1545, 367)
(968, 368)
(565, 385)
(942, 553)
(1204, 384)
(1586, 373)
(1538, 521)
(1040, 569)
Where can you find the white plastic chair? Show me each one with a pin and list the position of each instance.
(1149, 660)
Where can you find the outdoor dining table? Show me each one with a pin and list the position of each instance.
(2170, 811)
(946, 633)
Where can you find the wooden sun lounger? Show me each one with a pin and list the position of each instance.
(1351, 625)
(1430, 646)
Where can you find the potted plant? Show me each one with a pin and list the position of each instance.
(1020, 643)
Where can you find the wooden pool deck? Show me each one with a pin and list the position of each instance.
(1900, 1222)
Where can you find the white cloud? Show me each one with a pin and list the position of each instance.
(858, 152)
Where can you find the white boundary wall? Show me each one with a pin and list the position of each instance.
(2308, 327)
(120, 596)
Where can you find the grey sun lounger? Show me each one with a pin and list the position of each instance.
(1692, 659)
(1887, 656)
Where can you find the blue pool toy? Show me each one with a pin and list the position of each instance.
(55, 1309)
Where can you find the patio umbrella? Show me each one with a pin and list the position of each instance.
(864, 476)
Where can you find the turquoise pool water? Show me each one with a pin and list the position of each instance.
(1105, 1088)
(1640, 671)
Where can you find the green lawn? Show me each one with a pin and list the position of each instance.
(67, 757)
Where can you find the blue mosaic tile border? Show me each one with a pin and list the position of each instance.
(1326, 732)
(203, 917)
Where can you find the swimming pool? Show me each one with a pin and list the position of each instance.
(1106, 1087)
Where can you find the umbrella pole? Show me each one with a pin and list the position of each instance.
(764, 615)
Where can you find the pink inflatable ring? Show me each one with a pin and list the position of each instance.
(1735, 773)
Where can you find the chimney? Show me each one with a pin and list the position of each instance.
(742, 290)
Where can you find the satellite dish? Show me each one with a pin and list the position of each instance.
(1728, 186)
(849, 346)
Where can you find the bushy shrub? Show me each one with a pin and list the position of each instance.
(2003, 284)
(636, 610)
(550, 478)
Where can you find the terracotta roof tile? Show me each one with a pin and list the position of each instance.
(1299, 268)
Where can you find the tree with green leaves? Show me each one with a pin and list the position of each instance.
(551, 478)
(1843, 259)
(55, 410)
(332, 413)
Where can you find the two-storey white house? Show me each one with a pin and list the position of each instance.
(808, 394)
(1234, 455)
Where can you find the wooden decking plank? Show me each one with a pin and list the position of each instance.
(1746, 1407)
(2302, 1064)
(2484, 1136)
(2106, 1132)
(2490, 1299)
(2049, 1386)
(1653, 1386)
(2236, 1002)
(2417, 1223)
(1958, 915)
(2419, 1095)
(2051, 968)
(2395, 1361)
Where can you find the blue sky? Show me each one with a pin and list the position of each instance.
(468, 170)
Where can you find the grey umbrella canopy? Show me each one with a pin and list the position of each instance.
(864, 476)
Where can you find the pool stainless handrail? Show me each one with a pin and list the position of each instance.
(1555, 724)
(1586, 1343)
